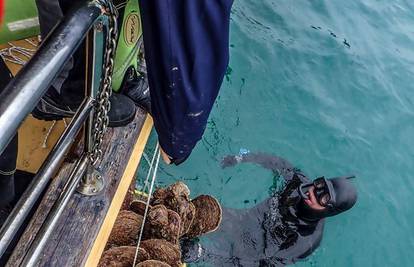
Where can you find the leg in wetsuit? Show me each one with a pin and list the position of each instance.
(7, 160)
(7, 172)
(67, 90)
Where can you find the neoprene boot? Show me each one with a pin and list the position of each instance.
(51, 107)
(136, 87)
(66, 93)
(56, 106)
(122, 110)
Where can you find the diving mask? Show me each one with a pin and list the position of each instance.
(323, 190)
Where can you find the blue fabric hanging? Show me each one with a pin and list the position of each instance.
(187, 53)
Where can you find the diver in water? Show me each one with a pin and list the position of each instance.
(282, 229)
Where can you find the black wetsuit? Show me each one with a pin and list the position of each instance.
(7, 159)
(268, 234)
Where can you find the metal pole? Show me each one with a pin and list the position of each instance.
(93, 182)
(48, 226)
(42, 178)
(23, 93)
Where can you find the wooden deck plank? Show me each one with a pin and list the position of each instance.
(127, 177)
(50, 197)
(81, 223)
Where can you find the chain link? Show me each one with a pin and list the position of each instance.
(103, 105)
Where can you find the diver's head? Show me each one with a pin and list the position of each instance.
(326, 197)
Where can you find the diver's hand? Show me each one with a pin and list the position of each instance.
(230, 160)
(169, 160)
(165, 156)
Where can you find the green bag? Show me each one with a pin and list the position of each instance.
(128, 48)
(20, 20)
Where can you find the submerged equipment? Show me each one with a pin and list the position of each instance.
(336, 194)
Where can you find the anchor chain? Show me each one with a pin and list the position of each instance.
(103, 105)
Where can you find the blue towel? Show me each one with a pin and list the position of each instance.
(187, 53)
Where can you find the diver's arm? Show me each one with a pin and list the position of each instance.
(274, 163)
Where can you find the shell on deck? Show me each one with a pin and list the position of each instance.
(163, 250)
(122, 257)
(138, 206)
(177, 198)
(129, 197)
(208, 216)
(152, 263)
(126, 229)
(163, 223)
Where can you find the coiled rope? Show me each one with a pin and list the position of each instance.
(18, 55)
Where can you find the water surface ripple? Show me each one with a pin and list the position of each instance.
(328, 85)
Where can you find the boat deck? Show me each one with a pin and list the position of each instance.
(82, 231)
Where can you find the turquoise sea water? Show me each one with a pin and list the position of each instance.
(329, 86)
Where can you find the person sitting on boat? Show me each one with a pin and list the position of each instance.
(282, 229)
(67, 90)
(12, 182)
(61, 100)
(186, 57)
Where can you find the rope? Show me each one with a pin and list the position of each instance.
(146, 158)
(157, 154)
(18, 55)
(150, 168)
(46, 138)
(65, 123)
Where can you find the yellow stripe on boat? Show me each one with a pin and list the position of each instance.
(129, 174)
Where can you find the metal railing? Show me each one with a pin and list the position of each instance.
(23, 93)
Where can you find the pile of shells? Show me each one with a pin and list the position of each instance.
(172, 215)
